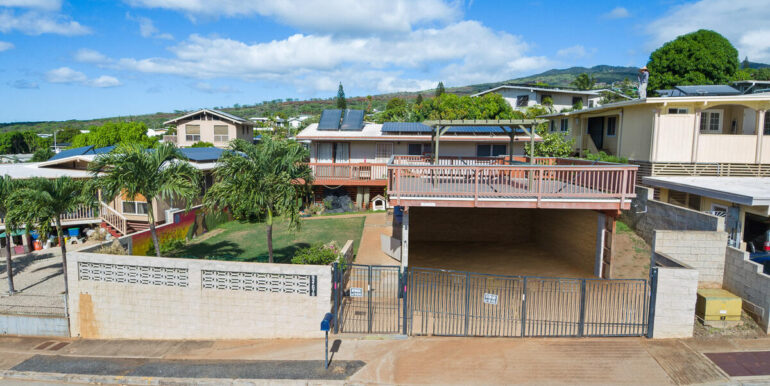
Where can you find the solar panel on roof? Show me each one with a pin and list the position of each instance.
(707, 90)
(202, 154)
(353, 120)
(416, 127)
(71, 152)
(405, 127)
(330, 120)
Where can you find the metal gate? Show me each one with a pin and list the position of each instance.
(369, 299)
(426, 301)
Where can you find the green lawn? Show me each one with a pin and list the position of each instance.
(236, 241)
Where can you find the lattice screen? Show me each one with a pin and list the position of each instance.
(133, 274)
(260, 282)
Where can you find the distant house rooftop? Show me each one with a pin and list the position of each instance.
(221, 114)
(541, 88)
(700, 90)
(751, 191)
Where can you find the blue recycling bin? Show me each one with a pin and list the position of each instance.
(74, 232)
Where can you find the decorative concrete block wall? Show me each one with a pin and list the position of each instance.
(745, 279)
(130, 297)
(647, 215)
(676, 293)
(700, 250)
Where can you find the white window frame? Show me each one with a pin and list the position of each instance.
(192, 137)
(766, 129)
(564, 125)
(491, 149)
(678, 110)
(607, 125)
(424, 148)
(383, 151)
(136, 205)
(221, 137)
(708, 114)
(522, 98)
(718, 210)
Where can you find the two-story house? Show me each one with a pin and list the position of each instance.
(520, 97)
(207, 125)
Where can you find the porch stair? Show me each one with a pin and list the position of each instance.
(110, 229)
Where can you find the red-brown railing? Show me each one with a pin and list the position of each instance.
(351, 171)
(549, 178)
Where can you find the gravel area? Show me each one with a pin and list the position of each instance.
(39, 284)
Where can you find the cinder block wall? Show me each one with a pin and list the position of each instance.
(703, 251)
(569, 233)
(127, 297)
(469, 224)
(659, 215)
(745, 279)
(676, 293)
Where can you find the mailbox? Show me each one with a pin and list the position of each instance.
(327, 322)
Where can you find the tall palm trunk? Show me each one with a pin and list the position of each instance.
(151, 217)
(63, 245)
(269, 224)
(8, 261)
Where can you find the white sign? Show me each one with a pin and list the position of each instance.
(427, 204)
(490, 299)
(356, 292)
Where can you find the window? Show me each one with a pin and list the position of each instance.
(576, 100)
(341, 152)
(612, 123)
(417, 149)
(135, 207)
(522, 101)
(767, 123)
(678, 110)
(221, 133)
(192, 133)
(565, 124)
(383, 151)
(546, 99)
(552, 126)
(333, 152)
(711, 121)
(490, 150)
(591, 103)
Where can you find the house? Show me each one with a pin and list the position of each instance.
(207, 125)
(296, 122)
(521, 96)
(348, 153)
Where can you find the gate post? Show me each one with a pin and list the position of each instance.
(467, 300)
(653, 295)
(369, 301)
(404, 297)
(582, 307)
(336, 287)
(524, 309)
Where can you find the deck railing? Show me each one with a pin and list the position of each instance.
(83, 212)
(350, 171)
(549, 178)
(114, 218)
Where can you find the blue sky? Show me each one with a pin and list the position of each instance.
(80, 59)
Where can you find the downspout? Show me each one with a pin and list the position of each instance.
(620, 132)
(695, 137)
(654, 135)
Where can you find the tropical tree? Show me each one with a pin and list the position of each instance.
(440, 89)
(133, 170)
(42, 154)
(341, 102)
(584, 82)
(7, 187)
(47, 200)
(419, 99)
(261, 182)
(701, 57)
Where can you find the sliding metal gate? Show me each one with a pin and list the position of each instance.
(440, 302)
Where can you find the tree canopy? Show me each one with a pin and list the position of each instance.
(440, 89)
(701, 57)
(584, 82)
(342, 103)
(114, 133)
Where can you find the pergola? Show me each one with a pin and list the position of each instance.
(509, 126)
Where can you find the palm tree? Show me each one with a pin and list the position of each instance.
(7, 187)
(584, 81)
(256, 182)
(134, 170)
(47, 201)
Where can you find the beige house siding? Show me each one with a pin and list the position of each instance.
(636, 133)
(207, 132)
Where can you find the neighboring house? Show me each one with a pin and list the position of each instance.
(122, 215)
(296, 122)
(347, 152)
(521, 97)
(208, 125)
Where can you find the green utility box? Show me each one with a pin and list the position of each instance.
(715, 305)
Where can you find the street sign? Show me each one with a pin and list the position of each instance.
(490, 299)
(356, 292)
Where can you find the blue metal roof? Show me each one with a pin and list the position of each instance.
(353, 121)
(416, 127)
(102, 150)
(202, 154)
(71, 152)
(706, 90)
(330, 120)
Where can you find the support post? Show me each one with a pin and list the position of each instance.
(760, 131)
(695, 136)
(405, 238)
(653, 296)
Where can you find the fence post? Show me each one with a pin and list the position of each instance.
(524, 309)
(467, 300)
(336, 285)
(653, 295)
(404, 297)
(581, 326)
(369, 300)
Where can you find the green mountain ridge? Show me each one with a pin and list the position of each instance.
(604, 74)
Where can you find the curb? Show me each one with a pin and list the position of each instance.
(121, 380)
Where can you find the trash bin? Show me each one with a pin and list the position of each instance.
(74, 232)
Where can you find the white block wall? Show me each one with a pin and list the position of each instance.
(701, 250)
(745, 279)
(677, 291)
(121, 310)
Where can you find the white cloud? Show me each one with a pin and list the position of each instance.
(577, 51)
(210, 89)
(48, 5)
(617, 13)
(87, 55)
(744, 23)
(37, 23)
(147, 28)
(4, 46)
(66, 75)
(328, 16)
(453, 50)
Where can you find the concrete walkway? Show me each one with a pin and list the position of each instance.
(370, 251)
(389, 360)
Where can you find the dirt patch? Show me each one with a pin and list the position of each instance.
(209, 235)
(632, 254)
(746, 328)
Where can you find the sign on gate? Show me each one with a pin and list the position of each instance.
(356, 292)
(490, 299)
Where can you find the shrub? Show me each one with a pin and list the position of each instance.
(202, 144)
(318, 254)
(316, 209)
(604, 157)
(112, 249)
(169, 246)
